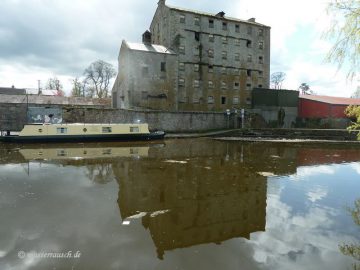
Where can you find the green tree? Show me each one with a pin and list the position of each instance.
(344, 31)
(354, 112)
(353, 250)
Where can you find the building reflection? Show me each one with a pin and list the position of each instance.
(206, 196)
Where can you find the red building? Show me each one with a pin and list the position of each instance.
(311, 106)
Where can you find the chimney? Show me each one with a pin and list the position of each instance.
(251, 20)
(161, 3)
(221, 14)
(146, 38)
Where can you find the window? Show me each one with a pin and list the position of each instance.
(211, 23)
(182, 18)
(235, 100)
(145, 71)
(196, 83)
(182, 49)
(210, 84)
(211, 53)
(197, 21)
(211, 38)
(211, 69)
(261, 32)
(249, 30)
(260, 86)
(236, 85)
(261, 60)
(223, 70)
(224, 40)
(106, 151)
(196, 67)
(237, 42)
(248, 72)
(61, 130)
(106, 130)
(223, 100)
(249, 58)
(134, 129)
(181, 82)
(197, 36)
(237, 57)
(248, 101)
(260, 73)
(248, 43)
(40, 130)
(248, 86)
(223, 85)
(237, 28)
(163, 66)
(210, 100)
(181, 66)
(261, 45)
(224, 55)
(224, 26)
(61, 153)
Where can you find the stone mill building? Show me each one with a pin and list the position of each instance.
(193, 61)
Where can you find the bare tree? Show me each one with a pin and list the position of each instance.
(356, 94)
(55, 84)
(79, 87)
(277, 79)
(98, 76)
(305, 89)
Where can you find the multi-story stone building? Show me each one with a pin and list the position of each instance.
(219, 60)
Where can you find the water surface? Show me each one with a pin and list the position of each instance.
(181, 204)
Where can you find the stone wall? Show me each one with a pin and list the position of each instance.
(167, 121)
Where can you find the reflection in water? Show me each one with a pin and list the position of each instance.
(352, 249)
(187, 205)
(177, 199)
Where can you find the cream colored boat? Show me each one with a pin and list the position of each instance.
(82, 133)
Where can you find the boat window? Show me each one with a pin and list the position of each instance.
(61, 130)
(134, 129)
(106, 130)
(106, 151)
(61, 153)
(85, 129)
(40, 130)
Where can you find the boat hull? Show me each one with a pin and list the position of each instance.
(83, 138)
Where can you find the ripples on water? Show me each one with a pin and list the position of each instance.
(184, 204)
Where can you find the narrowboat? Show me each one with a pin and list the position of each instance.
(50, 133)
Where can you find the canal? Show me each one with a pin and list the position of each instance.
(180, 204)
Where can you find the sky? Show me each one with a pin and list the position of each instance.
(40, 39)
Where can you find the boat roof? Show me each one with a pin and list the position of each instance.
(86, 124)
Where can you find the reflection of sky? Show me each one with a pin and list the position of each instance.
(58, 208)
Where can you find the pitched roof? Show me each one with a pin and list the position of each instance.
(149, 48)
(332, 100)
(215, 16)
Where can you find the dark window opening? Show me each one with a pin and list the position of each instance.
(223, 100)
(224, 26)
(163, 66)
(248, 72)
(211, 23)
(197, 36)
(237, 28)
(248, 43)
